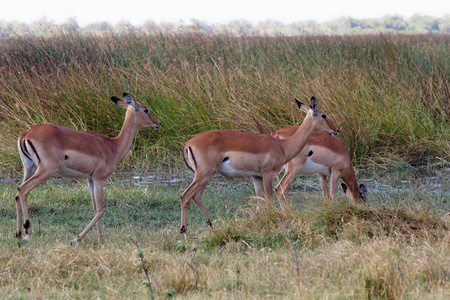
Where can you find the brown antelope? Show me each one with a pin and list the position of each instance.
(48, 149)
(325, 156)
(237, 154)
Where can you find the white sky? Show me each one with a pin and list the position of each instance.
(215, 12)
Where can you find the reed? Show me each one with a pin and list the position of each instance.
(389, 94)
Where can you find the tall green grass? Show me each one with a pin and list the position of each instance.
(389, 95)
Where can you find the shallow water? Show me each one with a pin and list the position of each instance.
(430, 181)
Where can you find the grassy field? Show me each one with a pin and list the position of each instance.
(389, 95)
(396, 247)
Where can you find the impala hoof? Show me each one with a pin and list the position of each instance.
(183, 229)
(73, 242)
(209, 222)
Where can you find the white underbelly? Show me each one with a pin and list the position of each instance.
(310, 168)
(66, 172)
(228, 171)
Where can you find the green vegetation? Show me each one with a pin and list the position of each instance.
(397, 247)
(389, 95)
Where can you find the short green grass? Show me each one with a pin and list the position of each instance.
(396, 247)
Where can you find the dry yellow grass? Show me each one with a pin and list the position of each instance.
(247, 255)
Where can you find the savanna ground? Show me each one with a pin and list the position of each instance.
(396, 247)
(389, 95)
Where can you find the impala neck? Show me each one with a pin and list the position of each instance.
(294, 145)
(125, 138)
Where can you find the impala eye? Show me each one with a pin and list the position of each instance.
(146, 110)
(324, 116)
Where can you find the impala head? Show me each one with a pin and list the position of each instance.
(361, 194)
(141, 113)
(321, 121)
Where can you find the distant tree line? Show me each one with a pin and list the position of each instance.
(416, 24)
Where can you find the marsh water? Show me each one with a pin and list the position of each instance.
(434, 181)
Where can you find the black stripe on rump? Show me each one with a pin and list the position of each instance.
(185, 159)
(34, 150)
(25, 151)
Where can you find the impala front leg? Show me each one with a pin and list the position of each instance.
(323, 185)
(98, 194)
(333, 183)
(268, 179)
(258, 185)
(289, 176)
(91, 185)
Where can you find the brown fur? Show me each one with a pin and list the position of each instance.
(239, 154)
(328, 151)
(71, 153)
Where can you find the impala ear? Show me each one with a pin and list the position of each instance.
(302, 106)
(313, 104)
(119, 102)
(130, 101)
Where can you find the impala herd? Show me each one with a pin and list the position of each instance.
(311, 148)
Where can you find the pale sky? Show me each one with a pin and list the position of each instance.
(214, 12)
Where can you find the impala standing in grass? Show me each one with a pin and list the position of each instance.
(48, 149)
(238, 154)
(325, 156)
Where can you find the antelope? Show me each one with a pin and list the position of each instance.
(47, 150)
(325, 156)
(237, 154)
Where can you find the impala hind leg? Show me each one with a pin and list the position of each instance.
(19, 219)
(41, 175)
(29, 168)
(198, 200)
(92, 193)
(194, 191)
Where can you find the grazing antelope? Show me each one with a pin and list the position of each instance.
(323, 155)
(238, 154)
(48, 149)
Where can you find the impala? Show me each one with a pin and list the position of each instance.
(237, 154)
(48, 149)
(325, 156)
